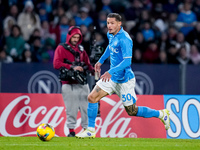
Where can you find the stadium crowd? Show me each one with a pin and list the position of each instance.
(163, 32)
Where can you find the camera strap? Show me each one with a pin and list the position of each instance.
(67, 75)
(76, 54)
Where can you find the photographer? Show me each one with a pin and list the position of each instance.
(73, 62)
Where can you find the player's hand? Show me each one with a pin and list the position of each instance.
(106, 77)
(79, 68)
(97, 68)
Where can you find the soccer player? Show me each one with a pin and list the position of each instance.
(119, 78)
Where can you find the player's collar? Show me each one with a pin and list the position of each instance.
(121, 30)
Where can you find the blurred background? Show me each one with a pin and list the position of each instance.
(165, 34)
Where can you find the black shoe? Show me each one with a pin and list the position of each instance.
(71, 134)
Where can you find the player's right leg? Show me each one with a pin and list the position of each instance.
(93, 98)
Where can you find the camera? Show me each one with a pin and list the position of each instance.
(96, 52)
(72, 75)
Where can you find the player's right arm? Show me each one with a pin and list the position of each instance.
(105, 55)
(97, 66)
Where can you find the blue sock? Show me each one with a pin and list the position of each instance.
(92, 114)
(147, 112)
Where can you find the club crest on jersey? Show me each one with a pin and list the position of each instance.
(115, 43)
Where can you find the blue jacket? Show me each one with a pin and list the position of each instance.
(186, 18)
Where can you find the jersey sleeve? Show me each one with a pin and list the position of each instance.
(126, 47)
(105, 55)
(125, 63)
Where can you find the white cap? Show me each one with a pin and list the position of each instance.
(84, 9)
(160, 25)
(29, 4)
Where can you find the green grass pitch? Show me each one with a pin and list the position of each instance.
(65, 143)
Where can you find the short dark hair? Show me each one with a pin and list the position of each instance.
(115, 15)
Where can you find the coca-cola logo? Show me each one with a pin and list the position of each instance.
(20, 116)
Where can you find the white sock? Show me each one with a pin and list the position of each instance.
(160, 114)
(91, 129)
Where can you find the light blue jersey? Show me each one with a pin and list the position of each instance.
(120, 52)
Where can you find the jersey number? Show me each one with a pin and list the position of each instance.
(127, 97)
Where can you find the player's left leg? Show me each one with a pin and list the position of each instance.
(141, 111)
(128, 97)
(147, 112)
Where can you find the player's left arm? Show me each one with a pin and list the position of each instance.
(126, 47)
(108, 74)
(125, 63)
